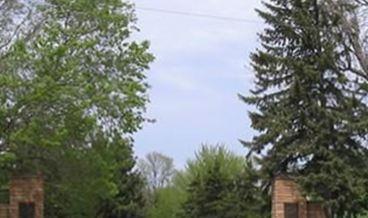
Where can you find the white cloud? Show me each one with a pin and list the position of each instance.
(201, 66)
(180, 39)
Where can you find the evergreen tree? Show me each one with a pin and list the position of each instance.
(308, 106)
(221, 185)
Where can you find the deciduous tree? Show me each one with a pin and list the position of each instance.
(72, 91)
(158, 170)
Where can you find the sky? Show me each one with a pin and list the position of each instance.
(201, 66)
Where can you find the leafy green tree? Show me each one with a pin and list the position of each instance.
(167, 202)
(309, 107)
(221, 184)
(72, 91)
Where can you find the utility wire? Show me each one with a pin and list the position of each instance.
(223, 18)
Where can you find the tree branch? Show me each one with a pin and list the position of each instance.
(351, 28)
(17, 29)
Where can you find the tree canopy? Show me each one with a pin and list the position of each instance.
(72, 91)
(221, 184)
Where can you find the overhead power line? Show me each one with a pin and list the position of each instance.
(191, 14)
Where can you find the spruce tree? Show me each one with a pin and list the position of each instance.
(308, 106)
(221, 185)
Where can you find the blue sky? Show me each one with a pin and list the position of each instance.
(201, 65)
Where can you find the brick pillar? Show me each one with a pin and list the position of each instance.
(315, 210)
(4, 211)
(284, 191)
(26, 189)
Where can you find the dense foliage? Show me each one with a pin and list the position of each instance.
(217, 183)
(311, 104)
(166, 202)
(72, 91)
(221, 184)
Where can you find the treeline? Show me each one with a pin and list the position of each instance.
(216, 183)
(73, 91)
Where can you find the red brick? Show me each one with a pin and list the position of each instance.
(285, 190)
(24, 189)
